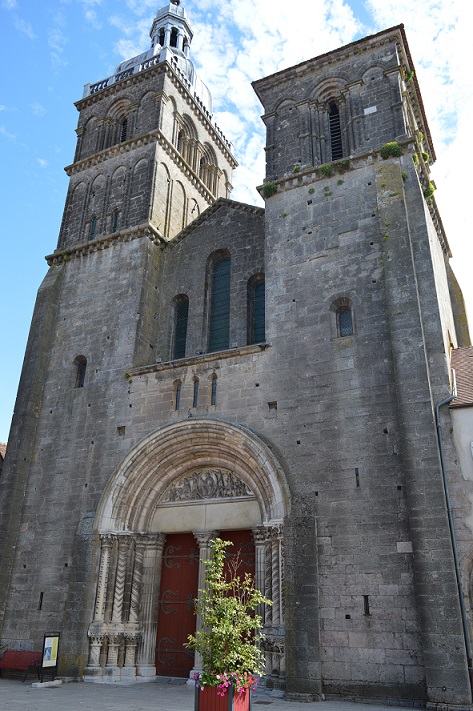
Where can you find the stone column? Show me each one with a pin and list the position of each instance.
(97, 629)
(151, 578)
(304, 127)
(123, 544)
(104, 570)
(260, 538)
(204, 539)
(136, 583)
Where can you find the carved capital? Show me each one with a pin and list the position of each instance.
(204, 538)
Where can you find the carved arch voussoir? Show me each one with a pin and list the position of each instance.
(141, 481)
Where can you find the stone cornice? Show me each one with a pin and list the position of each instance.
(62, 256)
(200, 358)
(155, 136)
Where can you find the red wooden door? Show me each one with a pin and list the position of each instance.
(176, 618)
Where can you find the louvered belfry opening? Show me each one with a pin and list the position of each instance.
(123, 130)
(180, 334)
(219, 324)
(335, 132)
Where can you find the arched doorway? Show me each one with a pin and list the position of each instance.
(185, 483)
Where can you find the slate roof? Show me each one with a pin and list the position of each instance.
(462, 364)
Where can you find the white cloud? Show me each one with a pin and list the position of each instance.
(92, 19)
(128, 48)
(42, 162)
(38, 109)
(57, 41)
(7, 134)
(24, 27)
(141, 6)
(9, 4)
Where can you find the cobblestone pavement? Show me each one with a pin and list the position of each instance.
(18, 696)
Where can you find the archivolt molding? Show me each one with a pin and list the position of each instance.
(141, 481)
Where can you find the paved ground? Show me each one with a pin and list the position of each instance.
(17, 696)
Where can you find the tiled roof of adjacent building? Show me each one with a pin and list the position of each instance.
(3, 449)
(462, 363)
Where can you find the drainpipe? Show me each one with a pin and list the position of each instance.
(452, 529)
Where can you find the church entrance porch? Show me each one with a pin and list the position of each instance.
(155, 524)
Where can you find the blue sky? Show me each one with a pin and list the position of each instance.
(51, 48)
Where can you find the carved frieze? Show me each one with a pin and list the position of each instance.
(207, 484)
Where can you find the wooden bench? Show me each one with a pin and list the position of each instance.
(21, 661)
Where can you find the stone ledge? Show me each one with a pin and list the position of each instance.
(200, 358)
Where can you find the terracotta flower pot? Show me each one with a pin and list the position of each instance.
(207, 699)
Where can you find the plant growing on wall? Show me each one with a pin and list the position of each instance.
(269, 189)
(429, 190)
(391, 150)
(231, 629)
(326, 170)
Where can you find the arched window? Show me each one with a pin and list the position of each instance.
(177, 394)
(256, 309)
(213, 390)
(173, 41)
(335, 132)
(195, 398)
(219, 322)
(161, 37)
(93, 228)
(81, 367)
(344, 321)
(181, 313)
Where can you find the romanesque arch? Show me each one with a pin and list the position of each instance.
(200, 477)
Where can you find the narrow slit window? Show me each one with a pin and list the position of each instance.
(335, 132)
(195, 398)
(177, 395)
(213, 390)
(81, 367)
(181, 315)
(219, 324)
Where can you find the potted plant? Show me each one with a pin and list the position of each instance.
(229, 635)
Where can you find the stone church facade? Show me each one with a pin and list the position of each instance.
(198, 366)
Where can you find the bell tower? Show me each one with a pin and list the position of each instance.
(148, 150)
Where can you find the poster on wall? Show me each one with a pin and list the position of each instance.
(50, 653)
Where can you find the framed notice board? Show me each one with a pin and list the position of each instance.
(50, 657)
